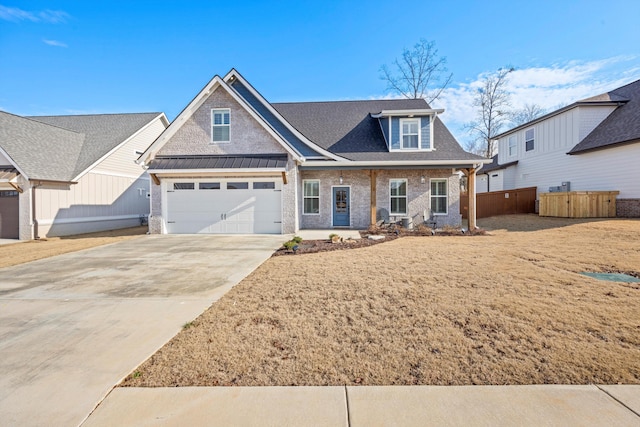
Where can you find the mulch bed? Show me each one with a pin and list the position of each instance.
(326, 245)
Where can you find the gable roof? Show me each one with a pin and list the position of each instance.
(59, 148)
(348, 129)
(214, 84)
(304, 145)
(621, 126)
(38, 150)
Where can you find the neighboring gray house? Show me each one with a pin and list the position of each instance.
(64, 175)
(592, 144)
(231, 162)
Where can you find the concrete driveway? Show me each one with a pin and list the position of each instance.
(73, 326)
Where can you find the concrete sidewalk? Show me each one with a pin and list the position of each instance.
(535, 405)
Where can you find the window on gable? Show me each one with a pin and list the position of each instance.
(512, 145)
(410, 134)
(220, 124)
(439, 199)
(311, 196)
(529, 139)
(398, 196)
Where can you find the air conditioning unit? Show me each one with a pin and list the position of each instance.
(566, 186)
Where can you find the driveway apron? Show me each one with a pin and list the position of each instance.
(73, 326)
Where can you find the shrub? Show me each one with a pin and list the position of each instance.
(296, 239)
(290, 245)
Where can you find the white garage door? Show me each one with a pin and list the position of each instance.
(233, 206)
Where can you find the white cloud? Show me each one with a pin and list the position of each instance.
(549, 87)
(55, 43)
(49, 16)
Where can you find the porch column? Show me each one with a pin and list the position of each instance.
(373, 175)
(471, 193)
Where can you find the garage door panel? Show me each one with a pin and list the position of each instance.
(225, 210)
(9, 216)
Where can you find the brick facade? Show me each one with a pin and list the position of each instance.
(628, 208)
(418, 196)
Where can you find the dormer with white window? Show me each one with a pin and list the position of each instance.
(408, 130)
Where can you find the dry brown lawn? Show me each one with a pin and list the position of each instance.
(505, 308)
(18, 253)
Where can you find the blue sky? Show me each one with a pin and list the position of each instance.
(75, 57)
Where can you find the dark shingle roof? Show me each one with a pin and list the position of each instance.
(347, 129)
(621, 126)
(494, 165)
(275, 161)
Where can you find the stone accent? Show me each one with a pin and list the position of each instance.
(359, 183)
(247, 136)
(628, 208)
(155, 217)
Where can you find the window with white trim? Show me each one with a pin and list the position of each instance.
(512, 145)
(439, 197)
(529, 139)
(220, 124)
(410, 134)
(311, 197)
(398, 196)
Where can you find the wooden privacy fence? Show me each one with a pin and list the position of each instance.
(579, 204)
(517, 201)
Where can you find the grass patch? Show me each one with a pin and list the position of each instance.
(508, 308)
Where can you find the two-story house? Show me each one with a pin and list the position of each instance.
(232, 162)
(590, 145)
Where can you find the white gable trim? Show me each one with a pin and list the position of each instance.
(235, 74)
(13, 163)
(193, 106)
(160, 116)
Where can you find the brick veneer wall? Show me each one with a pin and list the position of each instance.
(359, 183)
(628, 208)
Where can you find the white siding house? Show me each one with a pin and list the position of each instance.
(593, 145)
(74, 174)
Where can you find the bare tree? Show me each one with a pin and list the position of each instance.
(419, 73)
(492, 102)
(526, 114)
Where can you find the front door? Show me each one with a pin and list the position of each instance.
(341, 207)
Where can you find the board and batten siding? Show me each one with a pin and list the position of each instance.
(97, 202)
(122, 160)
(557, 134)
(548, 164)
(601, 170)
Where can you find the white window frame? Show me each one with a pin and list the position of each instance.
(532, 139)
(406, 196)
(213, 125)
(418, 121)
(446, 195)
(304, 197)
(512, 148)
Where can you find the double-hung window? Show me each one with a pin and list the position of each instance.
(398, 196)
(410, 134)
(512, 145)
(529, 138)
(311, 197)
(220, 124)
(439, 196)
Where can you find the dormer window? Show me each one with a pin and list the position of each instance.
(220, 123)
(408, 130)
(410, 134)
